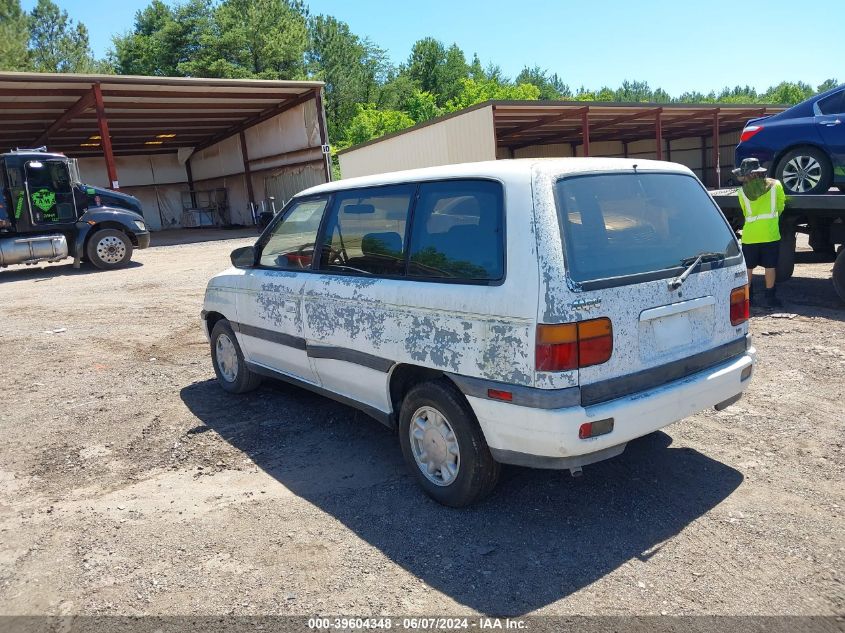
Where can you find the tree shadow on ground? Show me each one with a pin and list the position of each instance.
(541, 536)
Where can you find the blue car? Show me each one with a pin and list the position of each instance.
(804, 146)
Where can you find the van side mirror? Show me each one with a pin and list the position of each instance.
(243, 257)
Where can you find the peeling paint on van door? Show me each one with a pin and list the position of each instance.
(270, 321)
(483, 331)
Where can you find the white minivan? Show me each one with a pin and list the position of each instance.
(533, 312)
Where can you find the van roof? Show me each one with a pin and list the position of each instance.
(500, 169)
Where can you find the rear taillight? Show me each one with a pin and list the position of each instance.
(567, 346)
(740, 305)
(748, 132)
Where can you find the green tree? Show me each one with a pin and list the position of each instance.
(788, 92)
(826, 85)
(421, 106)
(354, 70)
(370, 123)
(164, 39)
(551, 86)
(14, 36)
(473, 92)
(57, 45)
(263, 39)
(436, 69)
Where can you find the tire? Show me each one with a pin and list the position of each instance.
(108, 249)
(786, 255)
(229, 364)
(451, 425)
(838, 275)
(795, 181)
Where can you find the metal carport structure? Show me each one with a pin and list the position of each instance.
(171, 134)
(702, 136)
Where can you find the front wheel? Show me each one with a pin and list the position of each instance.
(109, 248)
(443, 445)
(229, 364)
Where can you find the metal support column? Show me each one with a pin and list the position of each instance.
(105, 138)
(658, 133)
(247, 174)
(324, 137)
(717, 166)
(585, 130)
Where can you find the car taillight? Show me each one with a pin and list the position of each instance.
(748, 132)
(740, 305)
(565, 346)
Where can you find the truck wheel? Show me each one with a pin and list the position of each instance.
(786, 256)
(108, 249)
(804, 170)
(228, 360)
(839, 274)
(443, 445)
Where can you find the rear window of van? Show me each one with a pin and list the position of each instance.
(622, 224)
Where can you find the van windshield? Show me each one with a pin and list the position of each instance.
(622, 224)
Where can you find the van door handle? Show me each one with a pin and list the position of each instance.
(830, 123)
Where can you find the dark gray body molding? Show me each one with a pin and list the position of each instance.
(388, 419)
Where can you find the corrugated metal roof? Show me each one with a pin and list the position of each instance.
(145, 114)
(523, 123)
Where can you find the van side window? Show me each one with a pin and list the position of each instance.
(290, 245)
(365, 231)
(457, 231)
(834, 104)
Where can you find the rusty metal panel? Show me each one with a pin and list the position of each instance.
(468, 137)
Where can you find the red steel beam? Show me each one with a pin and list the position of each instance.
(247, 174)
(105, 137)
(623, 119)
(262, 116)
(545, 121)
(324, 137)
(716, 141)
(658, 132)
(84, 103)
(585, 130)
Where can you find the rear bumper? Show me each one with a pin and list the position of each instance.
(548, 438)
(765, 155)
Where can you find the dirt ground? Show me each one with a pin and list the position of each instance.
(131, 484)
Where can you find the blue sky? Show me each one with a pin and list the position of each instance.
(678, 45)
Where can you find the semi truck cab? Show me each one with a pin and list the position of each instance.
(46, 214)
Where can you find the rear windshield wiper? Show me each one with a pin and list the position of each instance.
(692, 263)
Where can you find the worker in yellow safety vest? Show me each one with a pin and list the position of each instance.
(762, 201)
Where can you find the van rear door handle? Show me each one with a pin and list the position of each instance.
(830, 123)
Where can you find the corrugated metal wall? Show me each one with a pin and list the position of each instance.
(285, 157)
(283, 184)
(464, 138)
(687, 151)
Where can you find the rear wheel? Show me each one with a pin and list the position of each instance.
(805, 170)
(229, 364)
(108, 249)
(839, 274)
(443, 445)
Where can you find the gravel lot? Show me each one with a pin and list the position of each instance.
(131, 484)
